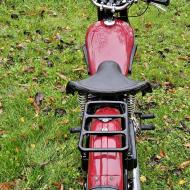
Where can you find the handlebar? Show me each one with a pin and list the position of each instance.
(113, 7)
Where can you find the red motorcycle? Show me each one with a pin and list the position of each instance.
(110, 120)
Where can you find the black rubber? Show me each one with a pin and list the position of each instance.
(108, 80)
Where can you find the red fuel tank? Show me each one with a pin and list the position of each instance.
(113, 43)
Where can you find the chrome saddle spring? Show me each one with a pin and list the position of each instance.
(131, 104)
(82, 98)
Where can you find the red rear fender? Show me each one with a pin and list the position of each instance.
(105, 169)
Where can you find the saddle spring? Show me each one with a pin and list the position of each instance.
(131, 104)
(82, 98)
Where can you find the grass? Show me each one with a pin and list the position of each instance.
(36, 150)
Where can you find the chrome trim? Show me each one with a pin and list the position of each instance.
(113, 7)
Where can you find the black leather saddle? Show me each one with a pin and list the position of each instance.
(108, 80)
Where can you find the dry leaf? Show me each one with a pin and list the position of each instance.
(187, 145)
(7, 185)
(29, 69)
(39, 98)
(20, 46)
(31, 100)
(36, 107)
(181, 182)
(62, 187)
(187, 118)
(62, 76)
(60, 112)
(79, 69)
(33, 146)
(148, 25)
(162, 154)
(184, 165)
(143, 178)
(2, 132)
(58, 186)
(184, 58)
(17, 149)
(22, 120)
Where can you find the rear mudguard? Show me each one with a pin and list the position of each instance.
(105, 169)
(115, 43)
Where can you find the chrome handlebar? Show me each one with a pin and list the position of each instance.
(113, 7)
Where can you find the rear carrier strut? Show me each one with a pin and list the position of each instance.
(128, 134)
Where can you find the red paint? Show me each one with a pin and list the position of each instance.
(106, 169)
(113, 43)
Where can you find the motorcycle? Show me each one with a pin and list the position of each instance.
(110, 120)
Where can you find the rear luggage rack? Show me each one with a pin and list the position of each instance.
(89, 115)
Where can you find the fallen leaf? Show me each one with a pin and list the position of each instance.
(39, 98)
(33, 146)
(60, 112)
(62, 76)
(148, 25)
(177, 172)
(7, 185)
(187, 145)
(170, 183)
(186, 58)
(57, 185)
(143, 179)
(64, 122)
(17, 149)
(57, 36)
(47, 40)
(184, 127)
(20, 46)
(31, 100)
(79, 69)
(2, 132)
(36, 107)
(181, 182)
(162, 154)
(22, 120)
(163, 168)
(29, 69)
(187, 118)
(184, 165)
(65, 136)
(155, 159)
(168, 85)
(62, 187)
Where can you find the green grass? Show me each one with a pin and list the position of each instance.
(36, 150)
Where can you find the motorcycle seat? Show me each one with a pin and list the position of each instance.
(108, 81)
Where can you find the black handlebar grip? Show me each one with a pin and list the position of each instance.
(161, 2)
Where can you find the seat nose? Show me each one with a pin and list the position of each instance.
(108, 81)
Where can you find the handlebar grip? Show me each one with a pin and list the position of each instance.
(75, 130)
(161, 2)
